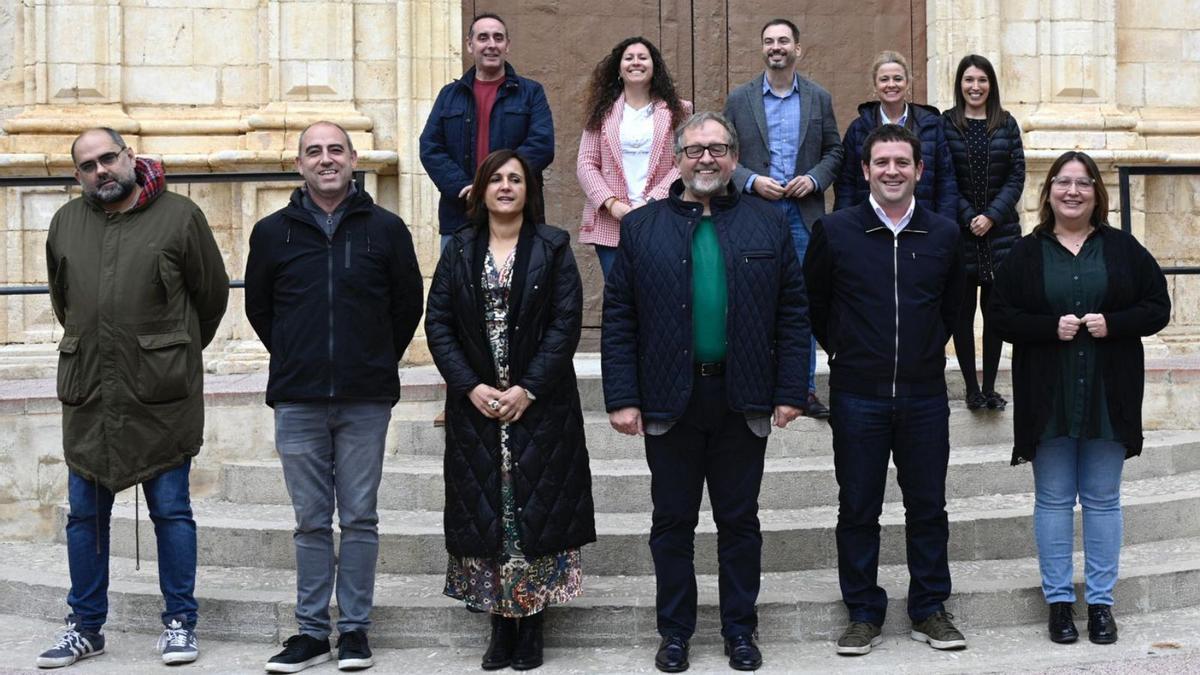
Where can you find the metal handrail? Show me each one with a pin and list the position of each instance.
(217, 177)
(1123, 174)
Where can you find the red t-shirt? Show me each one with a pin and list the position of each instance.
(485, 99)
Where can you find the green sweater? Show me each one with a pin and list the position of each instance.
(709, 294)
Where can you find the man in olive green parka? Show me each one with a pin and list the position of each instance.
(138, 283)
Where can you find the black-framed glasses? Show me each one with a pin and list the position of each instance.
(106, 160)
(1083, 184)
(714, 149)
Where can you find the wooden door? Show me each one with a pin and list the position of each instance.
(711, 46)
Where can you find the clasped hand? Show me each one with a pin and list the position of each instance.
(1069, 324)
(509, 404)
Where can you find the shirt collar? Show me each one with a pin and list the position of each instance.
(904, 220)
(766, 88)
(903, 116)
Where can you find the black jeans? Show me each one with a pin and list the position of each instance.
(914, 431)
(709, 443)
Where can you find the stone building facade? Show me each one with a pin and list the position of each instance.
(226, 85)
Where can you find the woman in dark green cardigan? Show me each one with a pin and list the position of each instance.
(1075, 298)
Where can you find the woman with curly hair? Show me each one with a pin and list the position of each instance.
(625, 155)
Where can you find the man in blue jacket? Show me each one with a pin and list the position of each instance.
(885, 280)
(334, 292)
(488, 108)
(705, 338)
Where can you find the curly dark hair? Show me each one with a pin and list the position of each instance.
(605, 86)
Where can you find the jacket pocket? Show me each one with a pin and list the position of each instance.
(163, 370)
(71, 390)
(758, 255)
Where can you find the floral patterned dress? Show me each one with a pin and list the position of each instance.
(510, 585)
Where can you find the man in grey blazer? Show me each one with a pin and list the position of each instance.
(791, 150)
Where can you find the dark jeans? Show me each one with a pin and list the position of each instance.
(170, 507)
(915, 432)
(709, 443)
(607, 256)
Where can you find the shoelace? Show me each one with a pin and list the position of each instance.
(69, 638)
(174, 636)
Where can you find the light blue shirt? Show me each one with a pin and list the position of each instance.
(783, 136)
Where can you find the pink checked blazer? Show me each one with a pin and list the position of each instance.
(601, 174)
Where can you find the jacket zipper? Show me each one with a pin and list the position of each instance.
(329, 248)
(896, 293)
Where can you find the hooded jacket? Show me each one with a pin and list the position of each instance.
(937, 190)
(336, 312)
(139, 294)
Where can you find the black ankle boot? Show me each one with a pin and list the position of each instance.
(528, 653)
(1102, 627)
(500, 647)
(1062, 623)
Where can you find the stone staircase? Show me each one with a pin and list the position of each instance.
(246, 582)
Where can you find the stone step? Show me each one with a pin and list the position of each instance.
(257, 605)
(412, 432)
(623, 485)
(981, 527)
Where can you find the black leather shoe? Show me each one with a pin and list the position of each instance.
(815, 409)
(976, 401)
(1062, 623)
(1102, 627)
(995, 401)
(527, 655)
(500, 646)
(672, 656)
(743, 653)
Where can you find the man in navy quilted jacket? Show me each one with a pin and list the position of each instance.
(706, 339)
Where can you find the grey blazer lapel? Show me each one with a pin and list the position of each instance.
(808, 112)
(759, 110)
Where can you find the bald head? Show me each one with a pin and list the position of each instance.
(106, 131)
(334, 125)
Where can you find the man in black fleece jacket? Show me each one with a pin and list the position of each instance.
(885, 282)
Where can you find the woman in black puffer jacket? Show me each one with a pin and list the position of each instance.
(989, 163)
(502, 321)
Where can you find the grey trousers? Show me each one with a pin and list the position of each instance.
(332, 452)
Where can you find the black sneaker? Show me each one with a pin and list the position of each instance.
(299, 652)
(353, 652)
(177, 644)
(939, 632)
(976, 401)
(858, 639)
(73, 644)
(995, 401)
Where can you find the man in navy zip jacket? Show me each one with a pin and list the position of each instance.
(705, 343)
(334, 292)
(885, 280)
(489, 108)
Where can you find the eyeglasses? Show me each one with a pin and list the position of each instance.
(106, 160)
(1065, 183)
(697, 151)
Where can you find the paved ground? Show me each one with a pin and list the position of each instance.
(1167, 642)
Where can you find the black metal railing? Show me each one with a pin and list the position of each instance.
(175, 178)
(1123, 174)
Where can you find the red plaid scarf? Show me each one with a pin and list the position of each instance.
(151, 177)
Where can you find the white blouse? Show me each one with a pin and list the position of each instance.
(637, 135)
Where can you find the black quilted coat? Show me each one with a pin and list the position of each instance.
(552, 481)
(1005, 182)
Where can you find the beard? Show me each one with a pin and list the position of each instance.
(114, 192)
(789, 60)
(706, 185)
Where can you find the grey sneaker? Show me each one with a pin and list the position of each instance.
(72, 645)
(858, 638)
(939, 632)
(177, 644)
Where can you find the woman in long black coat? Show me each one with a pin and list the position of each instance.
(989, 165)
(502, 322)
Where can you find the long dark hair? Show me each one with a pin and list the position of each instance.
(605, 86)
(1046, 213)
(477, 213)
(995, 113)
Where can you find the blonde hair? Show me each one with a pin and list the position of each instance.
(888, 56)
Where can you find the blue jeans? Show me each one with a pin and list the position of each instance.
(1064, 468)
(915, 432)
(332, 452)
(800, 237)
(607, 256)
(169, 503)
